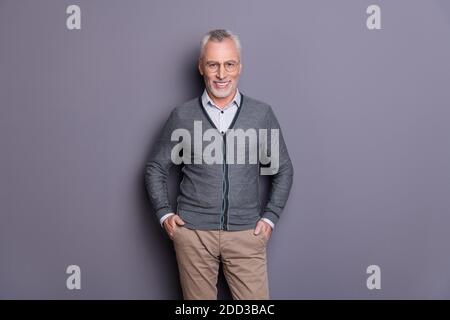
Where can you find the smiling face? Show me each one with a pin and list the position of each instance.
(220, 67)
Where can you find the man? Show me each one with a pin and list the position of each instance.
(219, 217)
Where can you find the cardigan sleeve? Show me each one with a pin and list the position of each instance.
(157, 169)
(281, 175)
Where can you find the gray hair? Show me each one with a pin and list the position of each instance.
(219, 35)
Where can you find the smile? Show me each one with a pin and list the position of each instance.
(221, 85)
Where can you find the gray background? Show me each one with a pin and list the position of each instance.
(364, 113)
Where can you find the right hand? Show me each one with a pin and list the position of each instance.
(171, 223)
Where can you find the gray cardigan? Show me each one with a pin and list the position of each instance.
(223, 195)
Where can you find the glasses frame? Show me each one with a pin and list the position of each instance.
(214, 66)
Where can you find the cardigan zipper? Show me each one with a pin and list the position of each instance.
(225, 180)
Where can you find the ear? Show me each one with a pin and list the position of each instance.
(200, 68)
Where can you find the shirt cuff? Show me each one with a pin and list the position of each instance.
(164, 217)
(269, 222)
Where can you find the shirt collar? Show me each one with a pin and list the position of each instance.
(207, 100)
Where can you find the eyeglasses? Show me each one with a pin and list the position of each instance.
(230, 66)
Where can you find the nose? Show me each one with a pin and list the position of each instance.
(221, 73)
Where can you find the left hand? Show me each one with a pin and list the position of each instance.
(264, 227)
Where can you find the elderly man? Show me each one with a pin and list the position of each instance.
(219, 218)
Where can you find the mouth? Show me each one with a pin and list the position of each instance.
(221, 84)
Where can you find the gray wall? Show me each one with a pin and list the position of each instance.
(364, 113)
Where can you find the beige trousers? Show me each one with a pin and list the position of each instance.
(243, 255)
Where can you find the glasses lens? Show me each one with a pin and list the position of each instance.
(212, 67)
(230, 66)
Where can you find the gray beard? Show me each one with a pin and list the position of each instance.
(221, 93)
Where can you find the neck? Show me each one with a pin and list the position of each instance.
(222, 102)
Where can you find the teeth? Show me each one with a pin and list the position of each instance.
(222, 84)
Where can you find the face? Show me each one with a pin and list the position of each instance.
(220, 67)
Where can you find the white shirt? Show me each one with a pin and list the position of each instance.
(222, 117)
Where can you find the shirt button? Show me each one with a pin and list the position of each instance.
(222, 132)
(221, 111)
